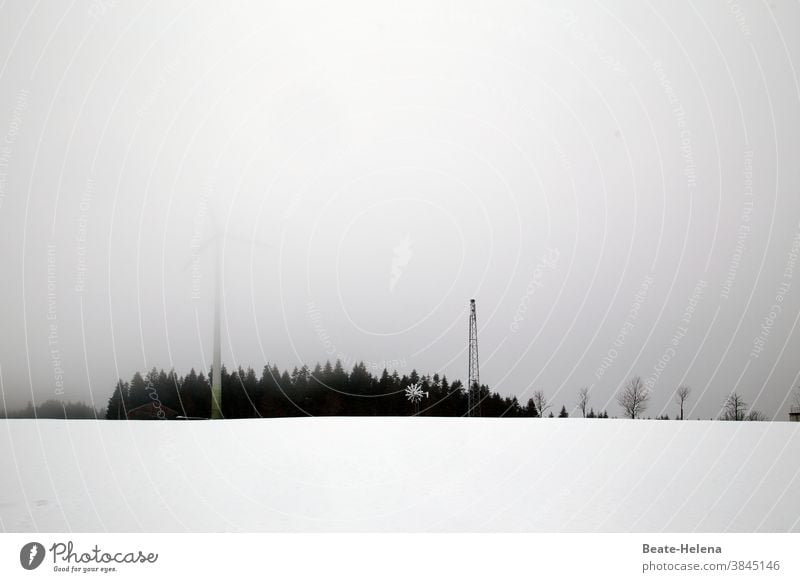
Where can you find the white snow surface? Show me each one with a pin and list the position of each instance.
(399, 474)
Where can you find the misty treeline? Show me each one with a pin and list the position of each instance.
(325, 390)
(330, 390)
(55, 409)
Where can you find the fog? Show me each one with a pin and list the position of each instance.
(617, 185)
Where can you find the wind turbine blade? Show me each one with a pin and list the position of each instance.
(249, 241)
(196, 252)
(216, 218)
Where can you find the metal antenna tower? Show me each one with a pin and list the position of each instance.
(474, 387)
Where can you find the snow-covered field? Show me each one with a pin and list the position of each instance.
(399, 474)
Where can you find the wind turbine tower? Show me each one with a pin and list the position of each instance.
(474, 387)
(216, 370)
(218, 238)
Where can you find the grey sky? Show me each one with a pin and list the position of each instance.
(616, 184)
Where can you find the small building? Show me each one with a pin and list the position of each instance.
(152, 411)
(794, 414)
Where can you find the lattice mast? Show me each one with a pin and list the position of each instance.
(474, 386)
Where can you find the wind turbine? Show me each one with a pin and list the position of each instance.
(217, 239)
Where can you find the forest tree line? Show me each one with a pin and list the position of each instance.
(326, 390)
(330, 390)
(53, 408)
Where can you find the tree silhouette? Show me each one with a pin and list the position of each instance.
(540, 400)
(583, 400)
(633, 397)
(682, 395)
(734, 407)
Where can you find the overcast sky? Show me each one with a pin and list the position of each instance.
(617, 184)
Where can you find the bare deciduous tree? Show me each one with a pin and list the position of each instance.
(583, 400)
(540, 400)
(756, 415)
(633, 397)
(734, 408)
(682, 395)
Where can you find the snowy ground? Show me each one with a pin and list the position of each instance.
(399, 474)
